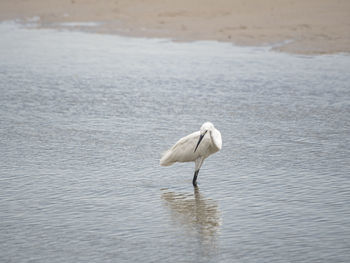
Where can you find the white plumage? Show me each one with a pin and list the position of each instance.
(195, 147)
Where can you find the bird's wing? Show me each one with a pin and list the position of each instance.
(182, 151)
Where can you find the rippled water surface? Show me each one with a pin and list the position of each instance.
(85, 117)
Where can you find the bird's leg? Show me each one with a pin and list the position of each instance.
(194, 181)
(198, 163)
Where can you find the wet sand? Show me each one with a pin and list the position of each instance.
(295, 26)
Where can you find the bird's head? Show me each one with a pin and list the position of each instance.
(207, 126)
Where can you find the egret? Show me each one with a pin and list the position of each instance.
(195, 147)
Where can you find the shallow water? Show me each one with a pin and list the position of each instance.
(85, 117)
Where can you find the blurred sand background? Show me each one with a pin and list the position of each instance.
(295, 26)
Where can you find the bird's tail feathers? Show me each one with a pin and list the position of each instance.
(166, 160)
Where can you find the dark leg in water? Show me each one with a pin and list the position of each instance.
(194, 181)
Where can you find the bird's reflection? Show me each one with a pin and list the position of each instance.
(198, 215)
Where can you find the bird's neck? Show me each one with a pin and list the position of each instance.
(215, 140)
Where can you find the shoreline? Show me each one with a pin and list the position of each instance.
(311, 27)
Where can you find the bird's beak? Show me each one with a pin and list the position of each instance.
(199, 141)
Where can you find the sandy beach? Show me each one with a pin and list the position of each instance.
(294, 26)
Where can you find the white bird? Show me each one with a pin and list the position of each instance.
(195, 147)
